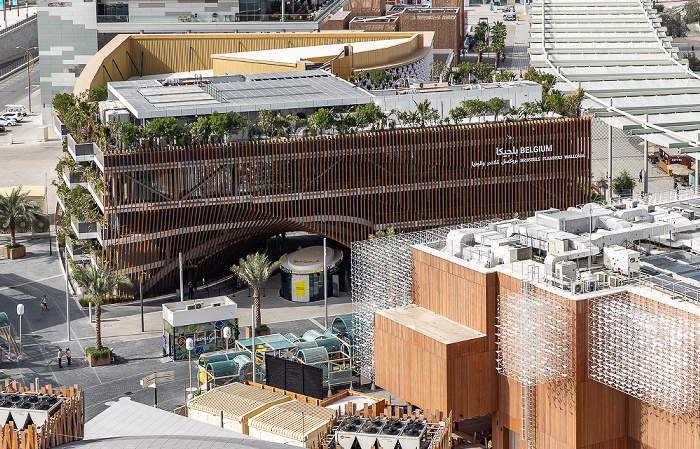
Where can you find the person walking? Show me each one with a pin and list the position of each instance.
(640, 175)
(44, 305)
(68, 355)
(60, 358)
(190, 290)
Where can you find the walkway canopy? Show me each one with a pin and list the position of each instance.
(620, 55)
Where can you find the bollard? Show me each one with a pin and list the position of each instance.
(9, 135)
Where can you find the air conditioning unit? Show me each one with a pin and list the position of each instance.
(614, 281)
(190, 307)
(198, 305)
(603, 277)
(576, 287)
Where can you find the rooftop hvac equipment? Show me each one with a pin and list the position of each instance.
(623, 260)
(25, 409)
(380, 432)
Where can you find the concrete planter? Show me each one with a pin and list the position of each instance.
(81, 152)
(14, 253)
(60, 128)
(94, 361)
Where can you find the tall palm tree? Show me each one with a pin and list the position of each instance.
(99, 282)
(17, 207)
(255, 270)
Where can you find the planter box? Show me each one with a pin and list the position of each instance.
(86, 229)
(94, 361)
(60, 128)
(81, 152)
(249, 333)
(14, 253)
(74, 179)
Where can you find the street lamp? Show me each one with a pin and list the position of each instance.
(20, 312)
(227, 335)
(28, 50)
(189, 345)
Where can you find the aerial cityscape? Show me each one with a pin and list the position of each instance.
(350, 224)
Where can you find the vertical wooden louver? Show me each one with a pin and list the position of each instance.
(215, 202)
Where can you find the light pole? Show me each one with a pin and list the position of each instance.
(252, 328)
(20, 312)
(325, 284)
(29, 84)
(227, 335)
(182, 281)
(189, 345)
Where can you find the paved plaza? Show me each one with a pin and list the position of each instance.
(25, 280)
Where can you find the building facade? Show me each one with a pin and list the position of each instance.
(214, 202)
(560, 347)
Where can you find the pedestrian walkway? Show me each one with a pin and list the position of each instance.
(15, 15)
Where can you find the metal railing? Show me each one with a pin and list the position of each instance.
(18, 25)
(17, 66)
(665, 197)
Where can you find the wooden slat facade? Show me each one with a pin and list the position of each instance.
(215, 202)
(577, 413)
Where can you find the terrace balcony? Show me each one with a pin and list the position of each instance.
(99, 197)
(86, 229)
(81, 152)
(74, 179)
(77, 251)
(60, 127)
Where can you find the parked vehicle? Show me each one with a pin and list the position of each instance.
(15, 115)
(7, 121)
(16, 108)
(2, 129)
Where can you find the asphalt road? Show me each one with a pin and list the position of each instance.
(13, 90)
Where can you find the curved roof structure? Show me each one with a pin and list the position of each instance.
(620, 55)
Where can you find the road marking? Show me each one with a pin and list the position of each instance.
(30, 282)
(317, 323)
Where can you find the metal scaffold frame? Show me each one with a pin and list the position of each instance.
(381, 278)
(534, 334)
(647, 350)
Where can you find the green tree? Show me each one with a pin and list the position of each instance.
(377, 77)
(98, 93)
(623, 182)
(369, 116)
(164, 127)
(426, 113)
(479, 47)
(554, 102)
(201, 129)
(498, 41)
(62, 103)
(265, 121)
(255, 270)
(464, 69)
(693, 61)
(659, 8)
(675, 26)
(496, 106)
(505, 76)
(483, 71)
(474, 108)
(529, 109)
(437, 70)
(321, 120)
(99, 282)
(692, 11)
(457, 114)
(129, 135)
(16, 207)
(572, 103)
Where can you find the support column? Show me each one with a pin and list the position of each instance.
(646, 160)
(610, 163)
(697, 172)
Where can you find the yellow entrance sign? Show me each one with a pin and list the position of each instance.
(300, 288)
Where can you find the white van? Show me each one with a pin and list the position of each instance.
(16, 108)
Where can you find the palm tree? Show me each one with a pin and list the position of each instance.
(480, 48)
(99, 282)
(16, 207)
(255, 270)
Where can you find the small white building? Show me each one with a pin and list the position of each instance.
(202, 320)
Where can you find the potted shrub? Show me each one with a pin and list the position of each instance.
(16, 207)
(98, 357)
(259, 331)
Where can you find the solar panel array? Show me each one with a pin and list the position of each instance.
(241, 94)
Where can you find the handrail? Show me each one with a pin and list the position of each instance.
(18, 24)
(17, 66)
(610, 107)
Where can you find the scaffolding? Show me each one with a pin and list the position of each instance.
(534, 334)
(381, 279)
(647, 350)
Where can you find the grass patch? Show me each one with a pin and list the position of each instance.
(97, 353)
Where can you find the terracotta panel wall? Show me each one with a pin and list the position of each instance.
(446, 28)
(375, 26)
(214, 202)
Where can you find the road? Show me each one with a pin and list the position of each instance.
(13, 90)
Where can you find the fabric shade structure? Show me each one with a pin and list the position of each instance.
(679, 169)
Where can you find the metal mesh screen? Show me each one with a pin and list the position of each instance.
(647, 350)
